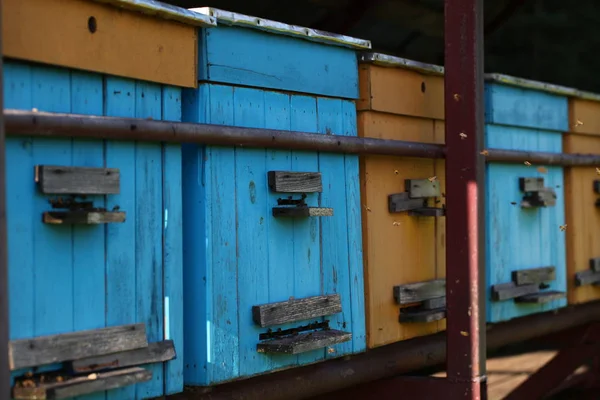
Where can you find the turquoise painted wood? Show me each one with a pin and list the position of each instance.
(527, 120)
(244, 56)
(237, 255)
(64, 278)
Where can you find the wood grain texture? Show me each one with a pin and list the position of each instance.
(83, 217)
(151, 49)
(84, 385)
(154, 353)
(420, 291)
(418, 315)
(295, 182)
(72, 346)
(401, 202)
(300, 212)
(540, 297)
(296, 310)
(507, 291)
(77, 180)
(583, 117)
(422, 188)
(583, 218)
(304, 342)
(430, 304)
(584, 278)
(534, 275)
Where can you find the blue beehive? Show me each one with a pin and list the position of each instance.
(68, 273)
(525, 250)
(240, 254)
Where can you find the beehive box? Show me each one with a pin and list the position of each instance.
(525, 215)
(403, 230)
(249, 252)
(117, 260)
(582, 189)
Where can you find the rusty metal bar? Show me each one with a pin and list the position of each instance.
(4, 317)
(387, 361)
(465, 184)
(29, 123)
(533, 157)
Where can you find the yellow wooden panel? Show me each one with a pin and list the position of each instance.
(364, 88)
(440, 223)
(397, 248)
(583, 217)
(125, 43)
(402, 91)
(584, 116)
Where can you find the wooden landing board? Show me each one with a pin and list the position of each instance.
(52, 179)
(302, 212)
(296, 310)
(420, 291)
(83, 217)
(295, 182)
(304, 342)
(541, 297)
(24, 353)
(534, 275)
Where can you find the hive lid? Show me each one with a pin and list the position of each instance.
(315, 35)
(165, 11)
(385, 60)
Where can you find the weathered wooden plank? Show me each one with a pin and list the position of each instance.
(304, 342)
(595, 264)
(79, 386)
(540, 297)
(421, 291)
(416, 315)
(428, 212)
(83, 217)
(507, 291)
(299, 212)
(400, 202)
(155, 353)
(296, 310)
(53, 179)
(531, 184)
(588, 277)
(534, 275)
(422, 188)
(295, 182)
(431, 304)
(44, 350)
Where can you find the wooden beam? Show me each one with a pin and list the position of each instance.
(421, 291)
(52, 179)
(296, 310)
(295, 182)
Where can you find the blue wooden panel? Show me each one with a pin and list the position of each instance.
(522, 238)
(514, 106)
(236, 253)
(250, 57)
(69, 278)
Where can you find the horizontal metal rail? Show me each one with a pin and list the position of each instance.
(31, 123)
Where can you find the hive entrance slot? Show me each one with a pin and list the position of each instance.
(422, 301)
(414, 199)
(590, 276)
(536, 195)
(270, 334)
(528, 286)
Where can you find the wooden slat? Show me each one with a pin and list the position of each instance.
(44, 350)
(401, 202)
(302, 212)
(304, 342)
(421, 291)
(155, 352)
(295, 182)
(588, 277)
(531, 184)
(595, 264)
(79, 386)
(54, 179)
(432, 304)
(57, 32)
(407, 315)
(428, 212)
(296, 310)
(507, 291)
(83, 217)
(540, 297)
(534, 275)
(422, 188)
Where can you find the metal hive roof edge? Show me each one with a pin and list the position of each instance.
(385, 60)
(315, 35)
(164, 11)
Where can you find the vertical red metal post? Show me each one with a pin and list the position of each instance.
(465, 191)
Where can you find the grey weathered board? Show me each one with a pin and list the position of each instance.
(79, 386)
(531, 184)
(83, 217)
(44, 350)
(422, 188)
(77, 180)
(295, 182)
(407, 315)
(155, 352)
(540, 297)
(595, 264)
(298, 212)
(431, 304)
(507, 291)
(421, 291)
(304, 342)
(588, 277)
(427, 212)
(400, 202)
(296, 310)
(534, 275)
